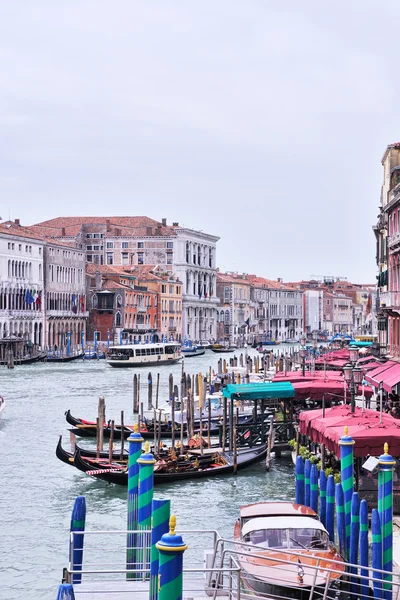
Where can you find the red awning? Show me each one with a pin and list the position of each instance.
(379, 374)
(365, 428)
(316, 390)
(392, 378)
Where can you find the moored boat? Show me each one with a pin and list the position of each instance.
(138, 355)
(191, 351)
(286, 551)
(218, 348)
(55, 357)
(194, 467)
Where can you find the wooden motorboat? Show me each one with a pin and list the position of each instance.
(218, 348)
(286, 551)
(178, 469)
(92, 355)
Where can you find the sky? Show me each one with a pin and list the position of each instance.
(259, 121)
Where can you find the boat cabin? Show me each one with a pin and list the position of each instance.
(131, 355)
(275, 509)
(286, 533)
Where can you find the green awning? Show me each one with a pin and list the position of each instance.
(259, 391)
(360, 344)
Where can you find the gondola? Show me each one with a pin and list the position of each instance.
(62, 359)
(194, 468)
(86, 429)
(220, 349)
(27, 360)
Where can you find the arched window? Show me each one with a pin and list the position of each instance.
(187, 252)
(94, 301)
(9, 268)
(227, 316)
(118, 319)
(119, 301)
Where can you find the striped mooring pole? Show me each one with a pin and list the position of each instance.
(364, 589)
(322, 497)
(385, 482)
(171, 548)
(307, 472)
(314, 488)
(330, 507)
(145, 498)
(135, 451)
(78, 519)
(299, 480)
(66, 592)
(346, 444)
(160, 515)
(340, 518)
(376, 554)
(354, 538)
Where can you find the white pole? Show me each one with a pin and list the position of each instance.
(381, 400)
(363, 398)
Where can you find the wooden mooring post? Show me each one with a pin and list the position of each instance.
(135, 395)
(149, 392)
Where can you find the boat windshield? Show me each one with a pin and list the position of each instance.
(289, 538)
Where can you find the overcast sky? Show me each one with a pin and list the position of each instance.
(260, 121)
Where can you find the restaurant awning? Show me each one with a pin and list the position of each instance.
(392, 378)
(364, 427)
(332, 390)
(259, 391)
(380, 373)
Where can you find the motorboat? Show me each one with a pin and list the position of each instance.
(285, 551)
(138, 355)
(191, 351)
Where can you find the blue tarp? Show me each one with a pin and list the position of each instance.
(259, 391)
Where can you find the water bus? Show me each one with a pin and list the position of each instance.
(139, 355)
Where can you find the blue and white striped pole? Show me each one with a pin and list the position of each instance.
(135, 451)
(69, 343)
(83, 339)
(340, 518)
(346, 444)
(65, 592)
(386, 464)
(160, 516)
(108, 338)
(146, 490)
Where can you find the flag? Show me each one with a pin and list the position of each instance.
(35, 295)
(39, 301)
(82, 302)
(369, 305)
(28, 297)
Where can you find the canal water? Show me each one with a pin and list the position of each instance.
(38, 491)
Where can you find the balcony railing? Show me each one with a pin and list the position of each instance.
(66, 314)
(21, 314)
(394, 239)
(389, 299)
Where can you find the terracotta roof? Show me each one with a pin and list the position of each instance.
(13, 229)
(109, 284)
(112, 226)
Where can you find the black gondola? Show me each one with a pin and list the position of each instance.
(63, 359)
(68, 457)
(115, 473)
(87, 429)
(28, 360)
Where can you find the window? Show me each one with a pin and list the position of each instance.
(110, 258)
(89, 247)
(140, 245)
(177, 289)
(140, 258)
(89, 235)
(124, 244)
(97, 235)
(40, 251)
(110, 245)
(96, 247)
(125, 258)
(9, 245)
(90, 258)
(19, 247)
(227, 295)
(169, 259)
(170, 245)
(171, 289)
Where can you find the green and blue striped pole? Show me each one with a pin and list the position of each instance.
(330, 507)
(354, 538)
(322, 497)
(146, 489)
(346, 444)
(135, 451)
(307, 471)
(160, 515)
(376, 553)
(340, 518)
(299, 480)
(314, 488)
(65, 592)
(170, 579)
(386, 464)
(78, 519)
(364, 589)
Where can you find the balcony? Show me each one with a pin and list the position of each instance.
(66, 314)
(141, 309)
(394, 240)
(21, 314)
(390, 301)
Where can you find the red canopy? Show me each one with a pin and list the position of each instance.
(315, 390)
(392, 378)
(379, 374)
(308, 376)
(365, 428)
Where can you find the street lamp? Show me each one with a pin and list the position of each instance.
(303, 353)
(353, 375)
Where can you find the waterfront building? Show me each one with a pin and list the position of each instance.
(21, 285)
(184, 253)
(387, 233)
(313, 311)
(65, 307)
(233, 291)
(120, 308)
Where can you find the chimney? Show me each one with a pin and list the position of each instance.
(164, 222)
(149, 230)
(108, 225)
(158, 230)
(280, 280)
(98, 280)
(62, 231)
(17, 222)
(176, 224)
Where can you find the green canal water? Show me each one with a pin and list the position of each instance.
(38, 491)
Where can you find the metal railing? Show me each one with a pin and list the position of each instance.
(227, 570)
